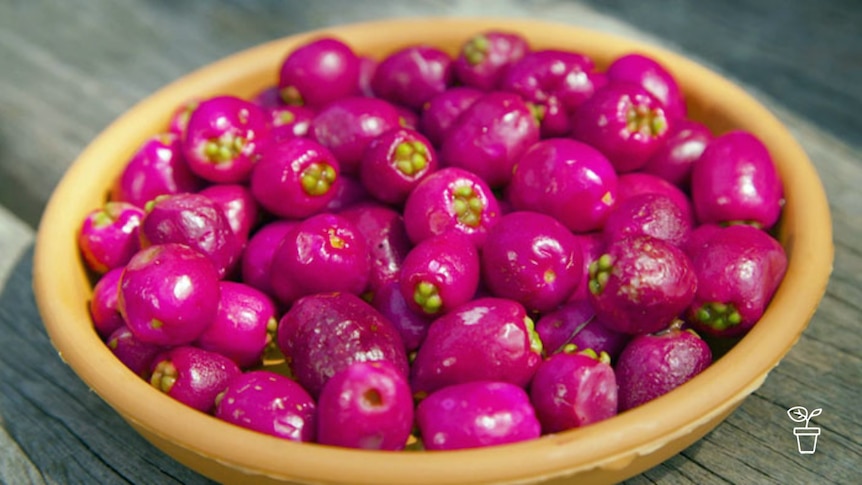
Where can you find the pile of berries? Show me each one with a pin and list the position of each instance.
(446, 252)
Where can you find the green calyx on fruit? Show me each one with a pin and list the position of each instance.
(410, 157)
(600, 272)
(468, 205)
(536, 344)
(224, 148)
(641, 119)
(718, 315)
(476, 49)
(742, 223)
(602, 356)
(317, 178)
(427, 296)
(290, 95)
(164, 376)
(538, 111)
(284, 118)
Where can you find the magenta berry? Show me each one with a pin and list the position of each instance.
(636, 183)
(531, 258)
(224, 139)
(485, 339)
(269, 403)
(394, 163)
(136, 355)
(109, 237)
(653, 215)
(367, 405)
(319, 72)
(288, 122)
(674, 160)
(385, 236)
(239, 207)
(476, 414)
(411, 325)
(257, 257)
(168, 294)
(652, 76)
(412, 75)
(485, 58)
(440, 112)
(193, 376)
(103, 306)
(440, 274)
(295, 178)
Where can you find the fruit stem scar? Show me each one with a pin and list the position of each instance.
(164, 376)
(600, 272)
(372, 398)
(468, 205)
(317, 178)
(476, 49)
(642, 119)
(718, 315)
(335, 240)
(224, 148)
(410, 157)
(427, 296)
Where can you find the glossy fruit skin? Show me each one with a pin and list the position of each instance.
(385, 236)
(476, 414)
(193, 376)
(109, 236)
(484, 58)
(318, 73)
(556, 83)
(575, 323)
(238, 205)
(168, 294)
(451, 199)
(439, 113)
(288, 122)
(740, 268)
(411, 325)
(294, 179)
(394, 163)
(367, 405)
(533, 259)
(674, 160)
(653, 365)
(571, 390)
(224, 138)
(158, 167)
(649, 282)
(259, 253)
(195, 221)
(440, 274)
(636, 183)
(592, 246)
(239, 330)
(489, 137)
(566, 179)
(485, 339)
(269, 403)
(347, 125)
(348, 193)
(103, 305)
(136, 355)
(313, 252)
(652, 76)
(624, 122)
(412, 75)
(653, 215)
(735, 180)
(324, 333)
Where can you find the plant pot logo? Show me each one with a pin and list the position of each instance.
(806, 436)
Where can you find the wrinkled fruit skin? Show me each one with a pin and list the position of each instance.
(571, 390)
(489, 137)
(386, 238)
(193, 376)
(638, 183)
(367, 405)
(735, 180)
(451, 199)
(653, 365)
(324, 333)
(168, 294)
(641, 284)
(411, 76)
(439, 274)
(269, 403)
(318, 73)
(565, 179)
(476, 414)
(738, 268)
(653, 215)
(195, 221)
(531, 258)
(485, 339)
(109, 237)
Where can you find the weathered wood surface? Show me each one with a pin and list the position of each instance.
(69, 68)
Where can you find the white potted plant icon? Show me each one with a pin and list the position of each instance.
(806, 436)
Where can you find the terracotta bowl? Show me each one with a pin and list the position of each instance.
(605, 452)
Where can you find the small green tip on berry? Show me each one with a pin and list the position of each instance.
(536, 344)
(317, 178)
(164, 376)
(718, 315)
(599, 273)
(476, 49)
(468, 206)
(427, 296)
(291, 95)
(410, 157)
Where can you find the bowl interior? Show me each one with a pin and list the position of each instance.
(608, 451)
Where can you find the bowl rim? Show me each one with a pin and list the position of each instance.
(612, 444)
